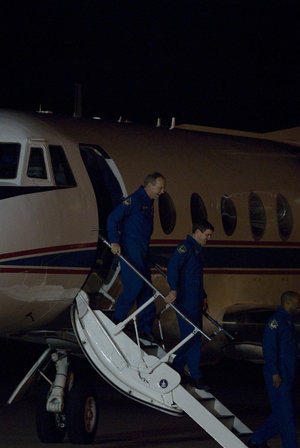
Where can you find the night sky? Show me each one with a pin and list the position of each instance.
(222, 63)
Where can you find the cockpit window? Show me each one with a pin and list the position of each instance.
(36, 165)
(9, 160)
(61, 169)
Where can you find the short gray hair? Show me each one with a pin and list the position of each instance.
(151, 178)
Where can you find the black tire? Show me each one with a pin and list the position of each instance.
(82, 413)
(51, 427)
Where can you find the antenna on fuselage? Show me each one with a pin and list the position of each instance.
(172, 123)
(41, 111)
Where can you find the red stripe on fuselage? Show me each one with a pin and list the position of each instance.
(221, 243)
(44, 271)
(43, 250)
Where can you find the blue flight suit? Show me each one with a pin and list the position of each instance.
(185, 275)
(280, 355)
(131, 225)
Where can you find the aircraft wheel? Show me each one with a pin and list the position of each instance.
(82, 413)
(51, 427)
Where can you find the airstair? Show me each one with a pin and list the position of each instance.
(124, 363)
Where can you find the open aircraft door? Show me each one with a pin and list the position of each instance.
(109, 191)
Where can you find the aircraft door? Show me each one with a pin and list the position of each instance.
(109, 191)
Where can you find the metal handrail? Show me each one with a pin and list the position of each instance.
(157, 294)
(208, 317)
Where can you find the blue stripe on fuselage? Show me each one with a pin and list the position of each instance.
(238, 257)
(79, 259)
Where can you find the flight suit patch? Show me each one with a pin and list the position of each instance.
(273, 324)
(182, 249)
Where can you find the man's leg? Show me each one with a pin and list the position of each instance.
(282, 418)
(265, 432)
(282, 407)
(147, 316)
(132, 287)
(190, 352)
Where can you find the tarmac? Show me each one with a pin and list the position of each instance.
(124, 423)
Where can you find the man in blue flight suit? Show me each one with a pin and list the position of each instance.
(185, 277)
(280, 355)
(130, 226)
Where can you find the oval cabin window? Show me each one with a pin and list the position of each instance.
(167, 213)
(198, 209)
(229, 217)
(257, 215)
(284, 217)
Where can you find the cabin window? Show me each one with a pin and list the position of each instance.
(284, 217)
(9, 160)
(229, 217)
(61, 169)
(198, 209)
(257, 215)
(36, 165)
(167, 213)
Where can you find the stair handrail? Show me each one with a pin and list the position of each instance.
(205, 313)
(157, 293)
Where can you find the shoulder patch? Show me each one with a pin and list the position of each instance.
(273, 324)
(127, 201)
(182, 249)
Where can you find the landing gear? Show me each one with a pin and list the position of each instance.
(82, 413)
(79, 421)
(50, 426)
(66, 406)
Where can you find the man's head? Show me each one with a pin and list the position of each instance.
(290, 301)
(154, 185)
(202, 231)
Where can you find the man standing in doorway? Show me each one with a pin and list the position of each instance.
(130, 226)
(280, 355)
(185, 277)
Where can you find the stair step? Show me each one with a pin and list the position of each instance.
(146, 378)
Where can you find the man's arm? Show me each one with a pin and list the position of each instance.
(114, 222)
(270, 350)
(175, 264)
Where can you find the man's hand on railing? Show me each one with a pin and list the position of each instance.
(205, 305)
(171, 297)
(116, 248)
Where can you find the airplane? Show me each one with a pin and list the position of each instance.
(59, 179)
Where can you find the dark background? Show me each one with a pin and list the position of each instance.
(222, 63)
